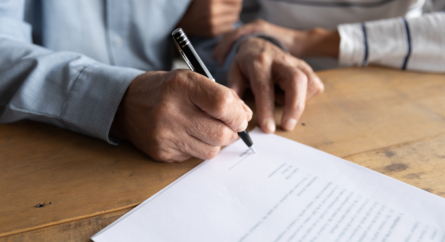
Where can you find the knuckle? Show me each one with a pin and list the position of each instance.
(164, 156)
(299, 107)
(212, 152)
(262, 58)
(179, 77)
(301, 76)
(305, 65)
(161, 111)
(176, 73)
(161, 155)
(158, 139)
(317, 86)
(222, 135)
(233, 93)
(294, 75)
(224, 101)
(182, 158)
(218, 136)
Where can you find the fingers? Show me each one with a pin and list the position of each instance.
(217, 101)
(199, 149)
(263, 90)
(184, 147)
(209, 130)
(299, 83)
(315, 85)
(238, 83)
(294, 85)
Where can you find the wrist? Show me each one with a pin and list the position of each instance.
(117, 128)
(320, 42)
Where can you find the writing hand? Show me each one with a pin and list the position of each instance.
(172, 116)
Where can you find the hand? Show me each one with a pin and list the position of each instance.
(209, 18)
(172, 116)
(260, 65)
(302, 44)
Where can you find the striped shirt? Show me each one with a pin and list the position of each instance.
(395, 33)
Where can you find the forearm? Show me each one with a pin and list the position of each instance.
(312, 43)
(318, 43)
(64, 89)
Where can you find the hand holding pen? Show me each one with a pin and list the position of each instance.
(195, 64)
(176, 115)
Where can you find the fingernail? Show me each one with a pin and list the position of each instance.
(290, 124)
(243, 126)
(270, 125)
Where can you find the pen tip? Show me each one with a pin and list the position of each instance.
(252, 149)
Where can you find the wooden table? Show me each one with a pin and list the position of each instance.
(388, 120)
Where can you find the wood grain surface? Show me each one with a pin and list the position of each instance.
(387, 120)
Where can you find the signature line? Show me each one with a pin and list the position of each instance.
(248, 154)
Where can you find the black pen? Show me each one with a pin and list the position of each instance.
(195, 64)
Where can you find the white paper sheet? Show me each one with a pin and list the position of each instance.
(285, 192)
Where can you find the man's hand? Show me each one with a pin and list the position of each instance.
(172, 116)
(302, 44)
(209, 18)
(261, 65)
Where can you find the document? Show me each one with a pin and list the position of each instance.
(285, 192)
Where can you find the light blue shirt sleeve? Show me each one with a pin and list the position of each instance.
(62, 88)
(69, 63)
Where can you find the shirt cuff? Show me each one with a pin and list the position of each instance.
(94, 98)
(352, 47)
(382, 42)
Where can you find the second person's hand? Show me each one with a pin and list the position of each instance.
(261, 65)
(317, 42)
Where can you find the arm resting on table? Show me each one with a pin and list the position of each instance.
(65, 89)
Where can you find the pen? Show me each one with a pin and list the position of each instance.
(195, 64)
